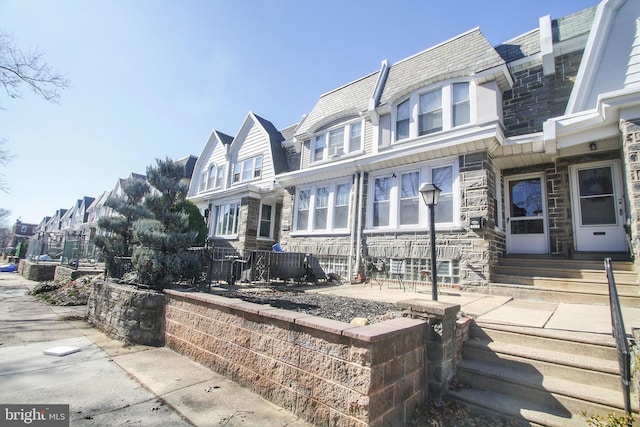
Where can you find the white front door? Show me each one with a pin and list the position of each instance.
(526, 213)
(598, 207)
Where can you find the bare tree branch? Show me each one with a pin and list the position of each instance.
(5, 157)
(18, 68)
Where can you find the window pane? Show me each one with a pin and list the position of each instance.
(443, 178)
(595, 182)
(430, 123)
(355, 137)
(527, 226)
(461, 114)
(303, 210)
(247, 167)
(341, 210)
(321, 208)
(336, 138)
(409, 205)
(430, 112)
(318, 152)
(381, 201)
(212, 177)
(444, 208)
(265, 221)
(598, 210)
(460, 92)
(257, 167)
(526, 197)
(431, 101)
(402, 120)
(219, 177)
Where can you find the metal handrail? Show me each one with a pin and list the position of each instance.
(619, 334)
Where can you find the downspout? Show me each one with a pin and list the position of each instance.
(353, 230)
(359, 225)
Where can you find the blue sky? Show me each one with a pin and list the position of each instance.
(151, 78)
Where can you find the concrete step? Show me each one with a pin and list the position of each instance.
(530, 386)
(542, 293)
(523, 411)
(568, 264)
(577, 368)
(579, 275)
(595, 345)
(564, 282)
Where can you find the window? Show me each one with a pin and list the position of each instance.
(409, 198)
(226, 220)
(321, 208)
(212, 177)
(341, 209)
(355, 137)
(430, 119)
(266, 220)
(318, 153)
(247, 170)
(461, 104)
(442, 177)
(381, 201)
(337, 141)
(330, 211)
(403, 114)
(302, 207)
(395, 201)
(203, 181)
(434, 110)
(219, 176)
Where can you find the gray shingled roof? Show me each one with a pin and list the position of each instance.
(573, 25)
(466, 54)
(278, 154)
(520, 47)
(342, 102)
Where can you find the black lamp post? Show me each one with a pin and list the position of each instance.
(430, 194)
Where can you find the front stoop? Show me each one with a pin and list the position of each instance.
(539, 376)
(564, 281)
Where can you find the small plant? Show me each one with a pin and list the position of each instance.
(611, 420)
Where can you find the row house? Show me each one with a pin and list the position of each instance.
(533, 143)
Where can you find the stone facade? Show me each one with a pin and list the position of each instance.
(127, 313)
(631, 155)
(65, 274)
(40, 272)
(535, 97)
(328, 372)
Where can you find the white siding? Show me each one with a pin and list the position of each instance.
(620, 64)
(255, 143)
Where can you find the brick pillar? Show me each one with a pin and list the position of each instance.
(440, 357)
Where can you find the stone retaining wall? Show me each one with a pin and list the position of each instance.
(65, 274)
(325, 371)
(127, 313)
(40, 272)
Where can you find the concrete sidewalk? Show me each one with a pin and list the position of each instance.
(107, 383)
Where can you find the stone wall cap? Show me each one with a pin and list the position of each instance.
(323, 324)
(435, 308)
(281, 314)
(382, 330)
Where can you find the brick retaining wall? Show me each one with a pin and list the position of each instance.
(325, 371)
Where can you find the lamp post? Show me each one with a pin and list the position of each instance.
(430, 194)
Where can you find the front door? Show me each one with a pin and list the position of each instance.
(526, 215)
(598, 207)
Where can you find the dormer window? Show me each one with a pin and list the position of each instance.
(433, 110)
(247, 170)
(337, 141)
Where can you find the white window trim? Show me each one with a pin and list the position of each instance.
(447, 110)
(331, 204)
(214, 220)
(271, 221)
(394, 194)
(346, 143)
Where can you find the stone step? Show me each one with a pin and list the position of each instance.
(595, 345)
(566, 284)
(569, 264)
(580, 275)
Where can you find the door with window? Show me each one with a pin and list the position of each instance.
(598, 207)
(526, 215)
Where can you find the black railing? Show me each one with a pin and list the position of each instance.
(619, 334)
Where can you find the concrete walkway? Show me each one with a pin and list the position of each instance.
(108, 383)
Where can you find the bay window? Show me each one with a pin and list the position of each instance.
(330, 211)
(225, 221)
(337, 141)
(433, 110)
(395, 202)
